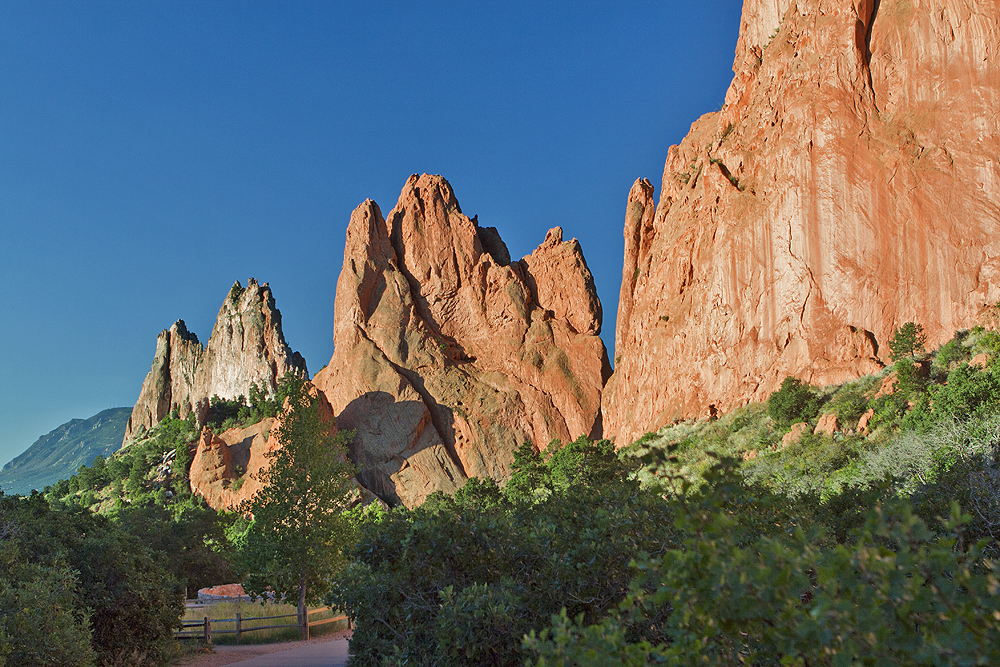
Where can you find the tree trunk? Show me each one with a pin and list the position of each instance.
(302, 604)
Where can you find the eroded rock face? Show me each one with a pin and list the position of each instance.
(447, 355)
(246, 347)
(849, 184)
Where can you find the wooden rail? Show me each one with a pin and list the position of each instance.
(203, 629)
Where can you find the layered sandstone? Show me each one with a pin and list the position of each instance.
(448, 355)
(246, 347)
(849, 184)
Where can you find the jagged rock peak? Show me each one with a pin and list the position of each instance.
(448, 355)
(247, 346)
(848, 185)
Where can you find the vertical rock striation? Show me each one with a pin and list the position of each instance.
(849, 184)
(246, 347)
(448, 355)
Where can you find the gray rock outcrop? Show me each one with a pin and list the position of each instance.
(246, 347)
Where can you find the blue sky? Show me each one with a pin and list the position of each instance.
(151, 153)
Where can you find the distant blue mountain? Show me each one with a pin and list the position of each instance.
(60, 453)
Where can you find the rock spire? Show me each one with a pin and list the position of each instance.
(246, 347)
(448, 355)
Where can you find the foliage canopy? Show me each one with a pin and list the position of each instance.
(292, 544)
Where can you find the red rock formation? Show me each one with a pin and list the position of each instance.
(246, 347)
(447, 355)
(849, 184)
(827, 425)
(222, 459)
(226, 467)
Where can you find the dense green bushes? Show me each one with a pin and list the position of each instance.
(75, 589)
(459, 580)
(895, 592)
(793, 402)
(242, 411)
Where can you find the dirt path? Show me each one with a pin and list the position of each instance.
(227, 655)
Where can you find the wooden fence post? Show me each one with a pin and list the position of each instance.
(239, 627)
(305, 623)
(208, 631)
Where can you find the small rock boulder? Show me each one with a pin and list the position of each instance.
(827, 424)
(863, 422)
(793, 436)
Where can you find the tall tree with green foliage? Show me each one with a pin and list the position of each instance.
(293, 543)
(907, 341)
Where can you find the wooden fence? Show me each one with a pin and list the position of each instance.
(203, 629)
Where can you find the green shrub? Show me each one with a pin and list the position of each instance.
(950, 353)
(896, 593)
(911, 378)
(458, 580)
(849, 404)
(40, 624)
(969, 391)
(793, 402)
(120, 589)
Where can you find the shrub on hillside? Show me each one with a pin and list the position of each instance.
(950, 353)
(794, 402)
(849, 404)
(907, 341)
(895, 593)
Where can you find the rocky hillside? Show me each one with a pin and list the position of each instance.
(58, 454)
(448, 354)
(849, 184)
(246, 347)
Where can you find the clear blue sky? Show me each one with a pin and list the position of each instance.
(151, 153)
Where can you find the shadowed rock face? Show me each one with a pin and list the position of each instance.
(246, 347)
(447, 355)
(849, 184)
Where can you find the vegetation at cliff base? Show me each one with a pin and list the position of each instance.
(718, 542)
(460, 580)
(75, 589)
(847, 525)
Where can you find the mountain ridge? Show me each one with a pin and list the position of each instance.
(60, 452)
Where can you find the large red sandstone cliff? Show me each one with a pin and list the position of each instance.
(247, 346)
(448, 355)
(849, 184)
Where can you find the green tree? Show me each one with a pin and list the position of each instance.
(907, 341)
(293, 544)
(793, 402)
(61, 564)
